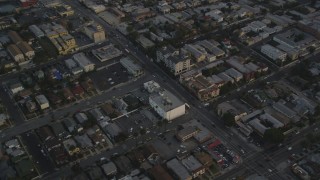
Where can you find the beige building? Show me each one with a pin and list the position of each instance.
(174, 60)
(95, 32)
(15, 53)
(65, 10)
(167, 105)
(26, 49)
(42, 101)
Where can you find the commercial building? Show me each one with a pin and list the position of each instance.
(106, 53)
(145, 42)
(83, 62)
(176, 61)
(273, 53)
(167, 105)
(186, 133)
(151, 86)
(132, 67)
(298, 40)
(178, 169)
(95, 32)
(193, 166)
(42, 101)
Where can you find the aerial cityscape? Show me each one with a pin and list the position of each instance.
(160, 89)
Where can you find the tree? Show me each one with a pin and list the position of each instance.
(142, 131)
(228, 119)
(273, 135)
(317, 111)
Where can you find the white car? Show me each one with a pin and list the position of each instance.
(270, 170)
(289, 148)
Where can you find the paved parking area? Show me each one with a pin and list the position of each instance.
(136, 121)
(40, 156)
(109, 77)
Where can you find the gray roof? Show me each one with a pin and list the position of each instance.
(191, 163)
(284, 109)
(178, 169)
(166, 100)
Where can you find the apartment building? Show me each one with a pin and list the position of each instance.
(175, 61)
(273, 53)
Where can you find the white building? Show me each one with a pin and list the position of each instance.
(273, 53)
(42, 101)
(84, 62)
(167, 105)
(151, 86)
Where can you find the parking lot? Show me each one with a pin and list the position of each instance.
(134, 123)
(39, 155)
(224, 156)
(109, 77)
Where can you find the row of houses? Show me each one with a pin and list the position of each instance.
(292, 44)
(20, 51)
(58, 36)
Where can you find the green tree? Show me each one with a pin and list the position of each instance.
(273, 135)
(228, 119)
(142, 131)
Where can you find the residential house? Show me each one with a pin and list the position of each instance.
(59, 130)
(81, 117)
(16, 53)
(197, 52)
(31, 106)
(16, 87)
(42, 101)
(71, 146)
(109, 168)
(150, 153)
(67, 94)
(26, 49)
(14, 37)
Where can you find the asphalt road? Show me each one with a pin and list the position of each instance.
(39, 155)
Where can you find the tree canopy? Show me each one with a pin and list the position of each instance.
(273, 135)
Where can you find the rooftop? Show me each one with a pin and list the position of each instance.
(166, 100)
(191, 163)
(178, 169)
